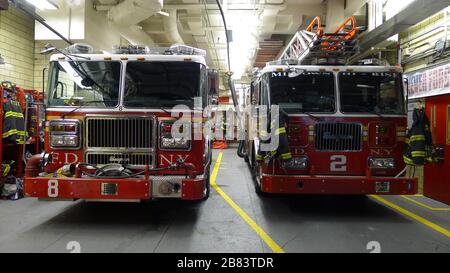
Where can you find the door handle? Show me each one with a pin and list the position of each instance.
(439, 153)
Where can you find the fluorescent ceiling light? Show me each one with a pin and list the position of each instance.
(43, 4)
(242, 49)
(163, 13)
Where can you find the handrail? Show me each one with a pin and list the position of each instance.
(341, 34)
(314, 43)
(351, 33)
(315, 22)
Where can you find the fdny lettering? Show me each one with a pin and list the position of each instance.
(381, 151)
(279, 74)
(170, 159)
(68, 158)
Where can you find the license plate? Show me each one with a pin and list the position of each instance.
(109, 188)
(382, 186)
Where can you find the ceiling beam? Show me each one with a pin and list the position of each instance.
(414, 13)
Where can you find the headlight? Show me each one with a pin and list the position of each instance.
(296, 163)
(64, 133)
(168, 142)
(381, 162)
(64, 141)
(172, 143)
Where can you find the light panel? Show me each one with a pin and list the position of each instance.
(43, 4)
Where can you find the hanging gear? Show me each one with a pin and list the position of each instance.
(418, 142)
(9, 90)
(12, 189)
(282, 152)
(6, 167)
(13, 122)
(32, 116)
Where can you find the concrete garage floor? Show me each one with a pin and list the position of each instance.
(292, 223)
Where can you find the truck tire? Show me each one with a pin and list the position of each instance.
(257, 180)
(255, 170)
(207, 183)
(208, 175)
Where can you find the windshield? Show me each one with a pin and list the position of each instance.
(162, 84)
(371, 92)
(84, 83)
(308, 92)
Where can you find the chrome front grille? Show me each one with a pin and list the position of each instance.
(133, 159)
(120, 132)
(336, 137)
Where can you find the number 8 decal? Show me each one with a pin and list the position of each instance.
(338, 163)
(52, 190)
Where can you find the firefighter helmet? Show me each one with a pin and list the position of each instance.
(8, 86)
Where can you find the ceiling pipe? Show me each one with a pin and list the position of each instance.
(233, 7)
(108, 2)
(136, 35)
(132, 12)
(171, 27)
(128, 14)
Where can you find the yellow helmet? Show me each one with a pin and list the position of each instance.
(7, 85)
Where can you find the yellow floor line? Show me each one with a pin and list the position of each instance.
(416, 217)
(261, 233)
(424, 205)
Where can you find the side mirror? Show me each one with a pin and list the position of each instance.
(406, 87)
(48, 49)
(213, 82)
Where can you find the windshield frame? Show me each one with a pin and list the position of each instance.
(335, 93)
(51, 84)
(202, 89)
(400, 95)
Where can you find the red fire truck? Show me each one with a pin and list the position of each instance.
(346, 124)
(110, 125)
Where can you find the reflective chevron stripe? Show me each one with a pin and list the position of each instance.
(13, 114)
(286, 156)
(418, 153)
(417, 138)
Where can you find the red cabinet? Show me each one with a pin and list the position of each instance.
(437, 175)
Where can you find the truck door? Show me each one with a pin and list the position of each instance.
(437, 175)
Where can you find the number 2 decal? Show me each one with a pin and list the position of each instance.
(52, 190)
(338, 163)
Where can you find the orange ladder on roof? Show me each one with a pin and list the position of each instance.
(314, 46)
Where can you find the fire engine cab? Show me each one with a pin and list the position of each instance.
(120, 126)
(345, 124)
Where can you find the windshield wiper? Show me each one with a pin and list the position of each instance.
(373, 111)
(377, 113)
(86, 81)
(83, 103)
(165, 110)
(311, 115)
(368, 110)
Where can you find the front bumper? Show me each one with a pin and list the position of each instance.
(338, 185)
(131, 189)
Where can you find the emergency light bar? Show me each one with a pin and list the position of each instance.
(79, 48)
(131, 49)
(176, 49)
